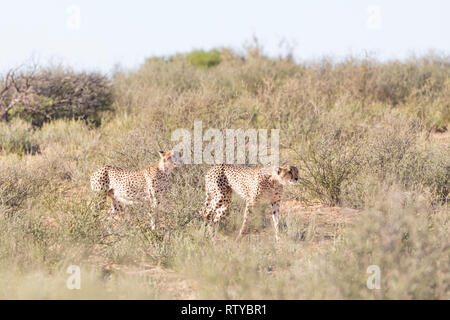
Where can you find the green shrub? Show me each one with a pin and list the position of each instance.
(204, 59)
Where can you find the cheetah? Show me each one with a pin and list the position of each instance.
(125, 187)
(250, 183)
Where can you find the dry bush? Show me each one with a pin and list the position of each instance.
(41, 95)
(399, 151)
(18, 137)
(404, 234)
(329, 161)
(17, 186)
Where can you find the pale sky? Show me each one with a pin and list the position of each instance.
(98, 34)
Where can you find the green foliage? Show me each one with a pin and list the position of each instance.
(204, 59)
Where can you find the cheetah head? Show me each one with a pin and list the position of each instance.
(287, 174)
(170, 159)
(284, 174)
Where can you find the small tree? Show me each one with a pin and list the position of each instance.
(39, 96)
(16, 90)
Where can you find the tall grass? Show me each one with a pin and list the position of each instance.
(361, 132)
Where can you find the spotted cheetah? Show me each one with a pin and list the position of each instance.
(126, 187)
(250, 183)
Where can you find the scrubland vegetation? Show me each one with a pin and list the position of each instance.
(370, 140)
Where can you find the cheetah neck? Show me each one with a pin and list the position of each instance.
(163, 168)
(276, 179)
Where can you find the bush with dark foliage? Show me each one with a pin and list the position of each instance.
(39, 96)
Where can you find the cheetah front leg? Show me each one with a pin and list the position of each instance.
(153, 213)
(247, 212)
(276, 217)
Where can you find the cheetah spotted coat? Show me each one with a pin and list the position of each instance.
(126, 187)
(250, 183)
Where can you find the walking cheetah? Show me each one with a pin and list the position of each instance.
(126, 187)
(250, 183)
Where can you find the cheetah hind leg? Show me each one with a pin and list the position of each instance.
(220, 211)
(208, 213)
(116, 206)
(213, 210)
(207, 210)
